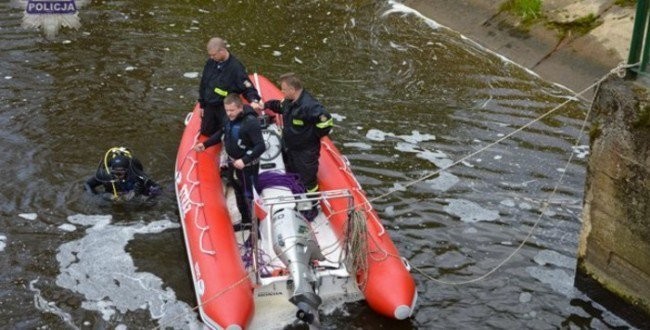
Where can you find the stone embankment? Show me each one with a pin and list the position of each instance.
(575, 43)
(572, 42)
(614, 248)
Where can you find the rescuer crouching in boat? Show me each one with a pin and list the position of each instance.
(243, 142)
(122, 177)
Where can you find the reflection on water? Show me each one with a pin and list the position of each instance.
(409, 98)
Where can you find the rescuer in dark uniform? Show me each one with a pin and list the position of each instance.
(222, 74)
(122, 177)
(305, 122)
(242, 137)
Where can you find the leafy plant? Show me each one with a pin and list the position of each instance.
(528, 10)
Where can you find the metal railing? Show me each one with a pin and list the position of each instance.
(640, 44)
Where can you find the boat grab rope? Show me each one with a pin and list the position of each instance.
(187, 201)
(620, 72)
(357, 191)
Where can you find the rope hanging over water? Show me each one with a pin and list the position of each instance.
(356, 230)
(356, 246)
(620, 72)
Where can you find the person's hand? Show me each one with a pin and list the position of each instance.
(199, 147)
(258, 106)
(238, 164)
(155, 190)
(129, 195)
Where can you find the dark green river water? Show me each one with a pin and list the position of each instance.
(409, 98)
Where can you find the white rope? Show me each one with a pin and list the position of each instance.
(507, 136)
(616, 70)
(545, 204)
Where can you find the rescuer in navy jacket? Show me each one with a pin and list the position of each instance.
(305, 122)
(222, 74)
(244, 144)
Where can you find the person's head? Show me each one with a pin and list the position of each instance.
(119, 166)
(217, 49)
(233, 105)
(290, 85)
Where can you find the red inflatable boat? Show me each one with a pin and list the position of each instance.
(292, 266)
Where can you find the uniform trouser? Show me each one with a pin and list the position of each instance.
(213, 119)
(304, 162)
(243, 184)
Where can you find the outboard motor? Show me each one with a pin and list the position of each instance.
(296, 246)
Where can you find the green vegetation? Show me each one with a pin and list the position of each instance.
(528, 10)
(594, 132)
(625, 3)
(644, 118)
(579, 26)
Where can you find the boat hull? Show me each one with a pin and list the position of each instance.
(229, 293)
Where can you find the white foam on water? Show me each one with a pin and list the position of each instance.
(49, 306)
(443, 182)
(398, 187)
(358, 145)
(98, 267)
(3, 242)
(580, 151)
(407, 147)
(470, 230)
(469, 211)
(438, 158)
(525, 206)
(67, 227)
(377, 135)
(129, 68)
(525, 297)
(398, 47)
(400, 8)
(338, 117)
(547, 257)
(28, 216)
(559, 280)
(416, 137)
(191, 75)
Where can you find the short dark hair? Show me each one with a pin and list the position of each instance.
(292, 80)
(233, 98)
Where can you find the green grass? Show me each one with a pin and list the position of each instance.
(528, 10)
(625, 3)
(578, 27)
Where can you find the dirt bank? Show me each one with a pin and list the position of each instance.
(572, 59)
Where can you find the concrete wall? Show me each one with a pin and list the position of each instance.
(614, 248)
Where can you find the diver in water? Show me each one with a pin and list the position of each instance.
(122, 177)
